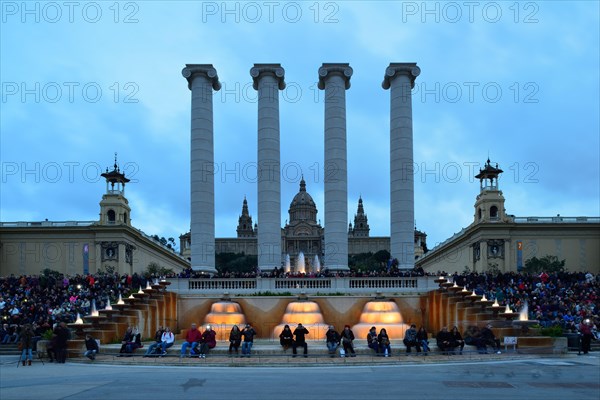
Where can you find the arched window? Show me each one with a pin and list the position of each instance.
(493, 212)
(125, 218)
(111, 216)
(479, 214)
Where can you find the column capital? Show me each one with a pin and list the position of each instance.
(329, 69)
(192, 70)
(275, 70)
(396, 69)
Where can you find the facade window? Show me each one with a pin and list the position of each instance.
(494, 212)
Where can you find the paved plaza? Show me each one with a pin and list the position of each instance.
(532, 377)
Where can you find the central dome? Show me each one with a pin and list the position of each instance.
(302, 207)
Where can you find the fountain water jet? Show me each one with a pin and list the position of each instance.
(306, 312)
(300, 264)
(316, 264)
(381, 314)
(223, 316)
(288, 265)
(94, 311)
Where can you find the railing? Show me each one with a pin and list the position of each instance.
(20, 224)
(557, 219)
(220, 284)
(324, 286)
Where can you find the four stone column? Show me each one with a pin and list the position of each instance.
(400, 77)
(202, 80)
(335, 79)
(268, 80)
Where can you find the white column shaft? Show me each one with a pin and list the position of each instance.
(399, 78)
(269, 183)
(202, 79)
(336, 171)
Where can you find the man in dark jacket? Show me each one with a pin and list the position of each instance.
(248, 339)
(444, 340)
(332, 339)
(300, 341)
(488, 338)
(91, 347)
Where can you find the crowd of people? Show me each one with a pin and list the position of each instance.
(31, 306)
(562, 299)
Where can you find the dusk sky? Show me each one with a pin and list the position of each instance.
(514, 81)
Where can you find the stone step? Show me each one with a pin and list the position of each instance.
(9, 349)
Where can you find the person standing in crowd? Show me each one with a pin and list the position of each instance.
(248, 334)
(286, 338)
(62, 336)
(410, 339)
(332, 340)
(26, 343)
(372, 340)
(235, 339)
(300, 332)
(192, 338)
(585, 328)
(91, 347)
(383, 339)
(348, 341)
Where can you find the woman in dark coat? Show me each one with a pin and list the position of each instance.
(286, 338)
(347, 341)
(235, 338)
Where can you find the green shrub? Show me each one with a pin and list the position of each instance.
(552, 331)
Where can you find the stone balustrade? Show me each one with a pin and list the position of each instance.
(329, 285)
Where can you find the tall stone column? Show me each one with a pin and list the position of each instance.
(202, 80)
(400, 77)
(335, 79)
(268, 80)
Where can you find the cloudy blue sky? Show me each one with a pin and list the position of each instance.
(518, 81)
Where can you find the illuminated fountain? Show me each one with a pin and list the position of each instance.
(380, 313)
(94, 312)
(483, 302)
(95, 318)
(524, 322)
(306, 312)
(108, 310)
(288, 265)
(316, 264)
(495, 308)
(224, 315)
(300, 264)
(79, 327)
(508, 314)
(120, 301)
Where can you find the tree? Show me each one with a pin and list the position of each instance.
(547, 263)
(154, 269)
